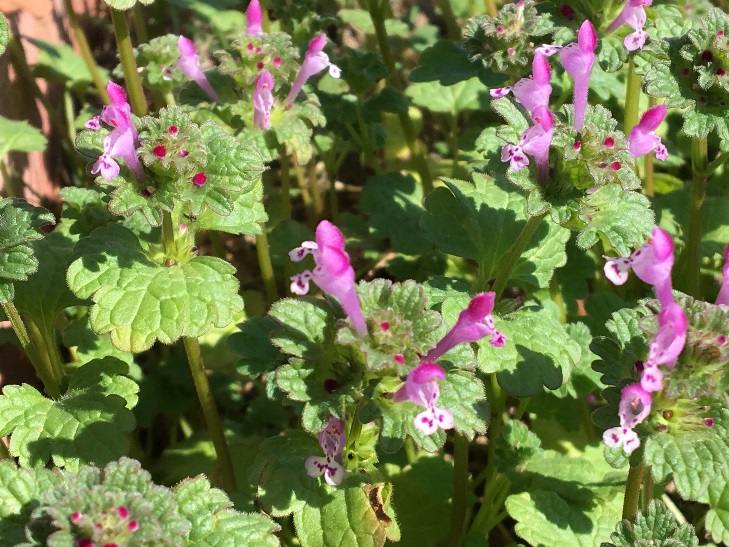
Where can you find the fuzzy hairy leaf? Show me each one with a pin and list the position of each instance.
(481, 220)
(86, 425)
(20, 224)
(3, 33)
(214, 522)
(139, 300)
(654, 527)
(717, 519)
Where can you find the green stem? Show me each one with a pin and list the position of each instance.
(168, 234)
(377, 14)
(140, 24)
(648, 165)
(316, 197)
(285, 185)
(714, 165)
(490, 7)
(43, 367)
(460, 490)
(522, 240)
(210, 410)
(83, 46)
(4, 453)
(632, 99)
(304, 189)
(632, 492)
(699, 162)
(586, 418)
(129, 64)
(264, 261)
(8, 183)
(453, 29)
(410, 452)
(649, 485)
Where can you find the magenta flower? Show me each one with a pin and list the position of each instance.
(122, 141)
(534, 92)
(315, 61)
(635, 405)
(651, 262)
(333, 273)
(474, 323)
(534, 141)
(421, 387)
(263, 100)
(254, 18)
(577, 59)
(666, 345)
(331, 440)
(189, 64)
(643, 139)
(723, 297)
(633, 15)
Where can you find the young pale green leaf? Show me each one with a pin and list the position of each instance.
(657, 526)
(539, 353)
(19, 137)
(88, 424)
(214, 522)
(351, 515)
(21, 489)
(481, 220)
(393, 203)
(20, 224)
(4, 35)
(139, 301)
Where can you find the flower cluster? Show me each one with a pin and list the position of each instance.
(122, 141)
(652, 263)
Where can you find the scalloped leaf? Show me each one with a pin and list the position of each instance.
(214, 522)
(481, 220)
(87, 425)
(124, 5)
(19, 136)
(20, 224)
(657, 526)
(139, 301)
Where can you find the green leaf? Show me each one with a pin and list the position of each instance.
(89, 345)
(253, 344)
(468, 95)
(305, 329)
(19, 137)
(124, 5)
(20, 224)
(656, 527)
(139, 301)
(393, 203)
(214, 522)
(717, 519)
(347, 517)
(448, 63)
(60, 62)
(539, 353)
(293, 127)
(21, 491)
(4, 35)
(245, 219)
(481, 221)
(88, 424)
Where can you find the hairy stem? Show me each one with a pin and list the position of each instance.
(699, 162)
(512, 257)
(648, 165)
(460, 490)
(168, 234)
(453, 29)
(210, 410)
(316, 197)
(649, 485)
(129, 64)
(264, 261)
(632, 492)
(632, 99)
(285, 185)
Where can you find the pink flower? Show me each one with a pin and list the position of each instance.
(189, 64)
(651, 262)
(331, 440)
(577, 59)
(421, 387)
(723, 297)
(315, 61)
(635, 405)
(670, 339)
(633, 15)
(474, 323)
(499, 92)
(254, 18)
(333, 273)
(643, 138)
(263, 100)
(534, 92)
(122, 141)
(534, 141)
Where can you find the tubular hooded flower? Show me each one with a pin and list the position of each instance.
(534, 91)
(331, 440)
(254, 18)
(651, 262)
(577, 59)
(666, 345)
(643, 139)
(263, 100)
(723, 297)
(122, 141)
(534, 141)
(189, 64)
(635, 405)
(421, 387)
(474, 323)
(333, 273)
(633, 15)
(315, 61)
